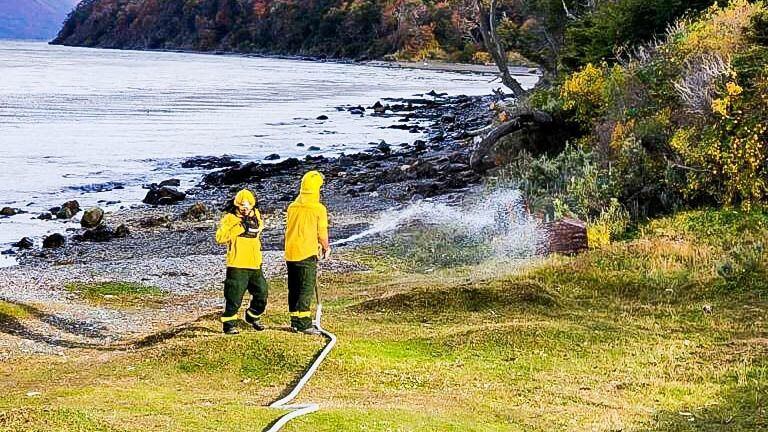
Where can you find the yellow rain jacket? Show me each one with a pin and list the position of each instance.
(243, 252)
(307, 220)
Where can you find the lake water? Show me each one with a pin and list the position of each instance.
(71, 118)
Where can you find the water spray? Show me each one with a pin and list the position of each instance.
(298, 410)
(500, 219)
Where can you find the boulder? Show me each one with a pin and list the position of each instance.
(313, 148)
(8, 252)
(273, 156)
(196, 211)
(170, 182)
(24, 243)
(252, 171)
(209, 162)
(322, 117)
(45, 216)
(164, 196)
(8, 211)
(92, 218)
(54, 241)
(300, 145)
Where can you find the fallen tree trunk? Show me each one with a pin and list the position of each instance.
(484, 148)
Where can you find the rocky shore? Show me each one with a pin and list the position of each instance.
(169, 244)
(358, 186)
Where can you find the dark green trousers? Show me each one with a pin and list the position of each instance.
(301, 288)
(237, 283)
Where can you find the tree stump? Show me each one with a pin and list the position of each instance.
(566, 236)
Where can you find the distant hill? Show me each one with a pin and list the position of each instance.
(33, 19)
(408, 29)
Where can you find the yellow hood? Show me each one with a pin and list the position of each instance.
(310, 187)
(245, 197)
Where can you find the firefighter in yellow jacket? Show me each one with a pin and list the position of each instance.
(240, 229)
(306, 233)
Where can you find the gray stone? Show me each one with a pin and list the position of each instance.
(92, 218)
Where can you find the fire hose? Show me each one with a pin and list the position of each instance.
(298, 410)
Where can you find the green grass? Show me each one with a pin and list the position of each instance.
(117, 294)
(614, 339)
(12, 311)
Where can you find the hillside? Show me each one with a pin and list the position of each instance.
(32, 19)
(333, 28)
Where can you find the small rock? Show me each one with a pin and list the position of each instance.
(170, 182)
(122, 231)
(420, 145)
(707, 309)
(155, 221)
(8, 252)
(378, 108)
(73, 206)
(64, 213)
(313, 148)
(322, 117)
(24, 243)
(92, 217)
(300, 145)
(8, 211)
(33, 393)
(357, 111)
(100, 234)
(164, 196)
(197, 211)
(384, 147)
(45, 216)
(273, 156)
(54, 241)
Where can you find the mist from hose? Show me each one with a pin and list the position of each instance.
(495, 225)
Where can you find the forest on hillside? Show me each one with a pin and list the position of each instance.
(368, 29)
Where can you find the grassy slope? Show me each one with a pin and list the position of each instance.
(615, 339)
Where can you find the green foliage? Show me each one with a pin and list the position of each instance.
(596, 36)
(681, 124)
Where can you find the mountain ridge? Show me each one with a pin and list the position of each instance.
(33, 19)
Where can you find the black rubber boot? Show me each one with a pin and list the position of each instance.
(230, 328)
(255, 322)
(311, 331)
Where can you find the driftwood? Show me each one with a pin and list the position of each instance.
(520, 120)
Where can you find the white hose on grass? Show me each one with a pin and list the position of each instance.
(299, 410)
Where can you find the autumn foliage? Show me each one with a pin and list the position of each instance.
(403, 29)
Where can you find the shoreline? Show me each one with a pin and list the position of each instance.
(178, 254)
(433, 65)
